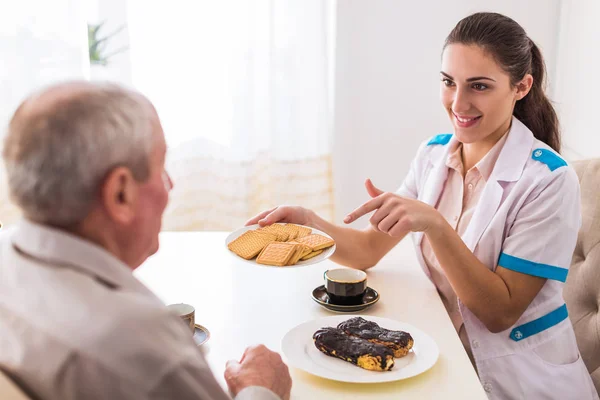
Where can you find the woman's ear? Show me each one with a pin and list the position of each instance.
(524, 87)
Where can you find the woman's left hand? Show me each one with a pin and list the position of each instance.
(395, 215)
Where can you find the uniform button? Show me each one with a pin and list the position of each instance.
(518, 335)
(487, 387)
(538, 153)
(470, 186)
(455, 218)
(475, 344)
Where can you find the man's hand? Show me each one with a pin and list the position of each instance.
(259, 366)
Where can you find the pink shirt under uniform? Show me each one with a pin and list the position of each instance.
(457, 204)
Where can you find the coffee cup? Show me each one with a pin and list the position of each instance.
(186, 312)
(345, 286)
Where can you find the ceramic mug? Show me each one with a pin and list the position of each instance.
(345, 286)
(186, 312)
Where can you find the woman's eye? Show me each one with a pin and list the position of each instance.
(479, 86)
(447, 82)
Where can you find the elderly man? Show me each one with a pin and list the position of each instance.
(86, 165)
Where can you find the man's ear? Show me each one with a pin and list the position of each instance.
(524, 87)
(119, 195)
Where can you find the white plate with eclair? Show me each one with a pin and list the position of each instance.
(359, 349)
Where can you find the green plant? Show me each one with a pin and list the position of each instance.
(97, 45)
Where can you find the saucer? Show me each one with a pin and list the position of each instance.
(320, 296)
(201, 335)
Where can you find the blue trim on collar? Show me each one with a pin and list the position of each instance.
(442, 139)
(549, 158)
(541, 324)
(532, 268)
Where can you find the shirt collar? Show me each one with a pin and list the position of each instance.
(454, 159)
(63, 249)
(514, 154)
(508, 156)
(485, 166)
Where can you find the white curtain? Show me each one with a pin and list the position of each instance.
(243, 89)
(41, 42)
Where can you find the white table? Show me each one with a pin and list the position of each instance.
(243, 304)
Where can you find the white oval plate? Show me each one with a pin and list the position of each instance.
(323, 256)
(298, 347)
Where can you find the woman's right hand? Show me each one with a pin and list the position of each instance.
(290, 214)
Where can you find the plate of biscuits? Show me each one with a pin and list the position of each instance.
(362, 349)
(280, 245)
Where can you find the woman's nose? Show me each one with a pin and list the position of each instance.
(461, 102)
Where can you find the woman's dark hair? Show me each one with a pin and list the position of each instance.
(506, 41)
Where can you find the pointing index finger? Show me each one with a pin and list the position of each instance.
(366, 208)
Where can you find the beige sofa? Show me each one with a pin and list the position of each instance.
(582, 290)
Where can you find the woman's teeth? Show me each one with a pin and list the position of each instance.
(465, 120)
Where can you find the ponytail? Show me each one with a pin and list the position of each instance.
(535, 110)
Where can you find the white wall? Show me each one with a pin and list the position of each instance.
(387, 82)
(577, 81)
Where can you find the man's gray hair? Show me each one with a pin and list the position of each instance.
(58, 154)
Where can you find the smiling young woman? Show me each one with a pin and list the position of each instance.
(495, 213)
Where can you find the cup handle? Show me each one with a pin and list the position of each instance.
(324, 277)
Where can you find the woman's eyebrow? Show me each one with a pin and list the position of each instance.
(475, 78)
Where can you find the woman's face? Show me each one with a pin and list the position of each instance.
(476, 93)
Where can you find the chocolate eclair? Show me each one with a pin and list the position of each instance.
(398, 341)
(367, 355)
